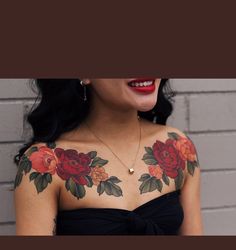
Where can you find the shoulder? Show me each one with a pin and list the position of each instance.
(184, 144)
(178, 151)
(166, 129)
(38, 166)
(36, 191)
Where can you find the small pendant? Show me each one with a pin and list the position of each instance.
(131, 170)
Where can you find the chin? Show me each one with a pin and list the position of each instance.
(145, 108)
(147, 105)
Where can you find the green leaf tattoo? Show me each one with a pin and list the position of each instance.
(97, 161)
(76, 189)
(40, 182)
(179, 179)
(24, 167)
(149, 184)
(109, 187)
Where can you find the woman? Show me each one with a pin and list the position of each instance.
(103, 161)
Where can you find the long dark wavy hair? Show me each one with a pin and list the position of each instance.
(59, 108)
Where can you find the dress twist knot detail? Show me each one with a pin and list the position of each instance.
(136, 224)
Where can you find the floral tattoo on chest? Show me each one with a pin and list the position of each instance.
(79, 170)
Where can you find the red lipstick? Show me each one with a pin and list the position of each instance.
(143, 85)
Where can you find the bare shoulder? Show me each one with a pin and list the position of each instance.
(175, 152)
(36, 191)
(38, 166)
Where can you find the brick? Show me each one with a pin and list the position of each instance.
(11, 121)
(203, 85)
(15, 88)
(8, 167)
(219, 222)
(216, 151)
(217, 189)
(179, 117)
(7, 211)
(9, 230)
(212, 112)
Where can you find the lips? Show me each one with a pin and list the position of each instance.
(143, 88)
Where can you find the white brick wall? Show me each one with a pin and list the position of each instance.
(204, 108)
(208, 115)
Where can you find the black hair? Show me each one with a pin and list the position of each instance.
(52, 115)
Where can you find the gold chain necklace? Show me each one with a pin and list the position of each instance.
(131, 169)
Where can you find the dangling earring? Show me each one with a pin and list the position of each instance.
(155, 117)
(85, 94)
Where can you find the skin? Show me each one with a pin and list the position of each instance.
(113, 115)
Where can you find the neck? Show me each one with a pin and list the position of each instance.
(109, 124)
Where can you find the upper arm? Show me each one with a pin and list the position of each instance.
(190, 191)
(36, 192)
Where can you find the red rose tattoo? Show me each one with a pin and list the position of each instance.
(167, 160)
(73, 165)
(168, 157)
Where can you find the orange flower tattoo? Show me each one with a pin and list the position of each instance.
(98, 174)
(44, 160)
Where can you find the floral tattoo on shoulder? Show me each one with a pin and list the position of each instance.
(168, 160)
(76, 169)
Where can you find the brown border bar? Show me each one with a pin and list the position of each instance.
(118, 39)
(117, 242)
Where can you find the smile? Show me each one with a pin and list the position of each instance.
(142, 85)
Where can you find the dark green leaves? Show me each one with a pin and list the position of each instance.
(191, 166)
(76, 189)
(149, 159)
(144, 177)
(114, 179)
(101, 188)
(18, 179)
(89, 180)
(149, 150)
(49, 178)
(51, 145)
(150, 183)
(25, 164)
(92, 154)
(41, 181)
(179, 179)
(97, 161)
(33, 175)
(24, 167)
(159, 185)
(109, 187)
(31, 150)
(173, 136)
(166, 179)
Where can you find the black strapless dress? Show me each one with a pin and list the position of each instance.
(160, 216)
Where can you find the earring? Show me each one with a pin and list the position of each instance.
(154, 116)
(85, 94)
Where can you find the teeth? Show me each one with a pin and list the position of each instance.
(141, 84)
